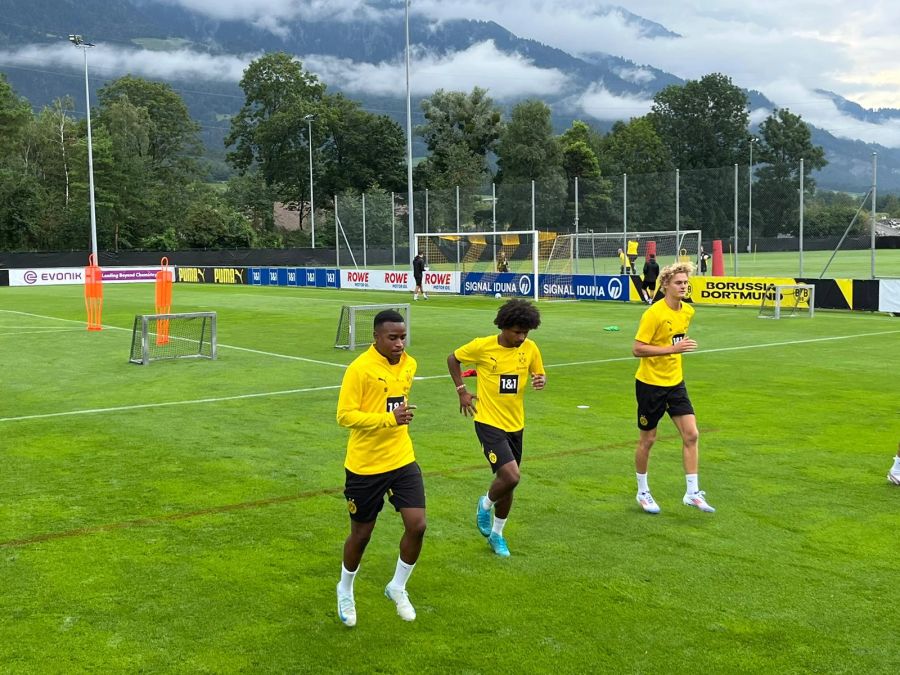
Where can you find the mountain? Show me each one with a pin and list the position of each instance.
(374, 38)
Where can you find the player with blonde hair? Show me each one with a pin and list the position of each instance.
(661, 339)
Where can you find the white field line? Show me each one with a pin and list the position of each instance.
(736, 349)
(220, 345)
(425, 377)
(94, 411)
(45, 330)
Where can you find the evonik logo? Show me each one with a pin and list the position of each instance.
(30, 276)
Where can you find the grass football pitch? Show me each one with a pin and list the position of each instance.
(187, 516)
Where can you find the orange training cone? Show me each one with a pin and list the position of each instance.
(163, 301)
(93, 293)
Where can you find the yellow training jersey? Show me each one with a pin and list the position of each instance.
(503, 373)
(661, 326)
(370, 391)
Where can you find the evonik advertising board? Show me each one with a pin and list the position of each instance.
(58, 276)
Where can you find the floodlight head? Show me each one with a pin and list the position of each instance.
(79, 41)
(309, 118)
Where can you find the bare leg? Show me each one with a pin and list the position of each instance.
(690, 437)
(413, 534)
(642, 452)
(501, 491)
(356, 543)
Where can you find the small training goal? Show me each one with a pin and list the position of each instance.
(357, 323)
(173, 336)
(788, 300)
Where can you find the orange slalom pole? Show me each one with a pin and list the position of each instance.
(93, 293)
(163, 300)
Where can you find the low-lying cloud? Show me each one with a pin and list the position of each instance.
(112, 62)
(505, 76)
(601, 104)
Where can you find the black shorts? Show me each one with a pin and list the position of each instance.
(500, 447)
(649, 285)
(365, 493)
(418, 278)
(654, 402)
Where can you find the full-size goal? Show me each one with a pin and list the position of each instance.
(173, 336)
(788, 300)
(596, 253)
(491, 253)
(357, 323)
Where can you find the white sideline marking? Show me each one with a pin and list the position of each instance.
(45, 330)
(141, 406)
(425, 377)
(220, 345)
(735, 349)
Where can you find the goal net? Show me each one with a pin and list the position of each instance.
(787, 300)
(490, 253)
(173, 336)
(597, 253)
(357, 323)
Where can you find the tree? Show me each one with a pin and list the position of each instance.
(704, 125)
(635, 148)
(702, 122)
(460, 130)
(173, 142)
(580, 161)
(15, 114)
(785, 140)
(270, 131)
(360, 151)
(528, 151)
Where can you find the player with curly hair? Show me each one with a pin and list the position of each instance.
(503, 363)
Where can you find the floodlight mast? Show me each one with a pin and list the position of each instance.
(80, 42)
(409, 156)
(312, 209)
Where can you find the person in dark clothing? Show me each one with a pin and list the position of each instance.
(418, 271)
(502, 263)
(648, 284)
(704, 257)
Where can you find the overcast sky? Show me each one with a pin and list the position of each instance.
(785, 50)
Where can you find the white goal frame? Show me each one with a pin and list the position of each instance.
(422, 239)
(141, 329)
(775, 295)
(349, 313)
(573, 248)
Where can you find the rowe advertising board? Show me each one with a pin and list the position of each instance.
(57, 276)
(391, 280)
(310, 277)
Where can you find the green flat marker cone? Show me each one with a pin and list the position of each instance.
(611, 329)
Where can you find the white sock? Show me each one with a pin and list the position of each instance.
(896, 468)
(401, 574)
(642, 482)
(347, 578)
(693, 483)
(498, 526)
(486, 503)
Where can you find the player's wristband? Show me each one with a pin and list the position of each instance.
(461, 387)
